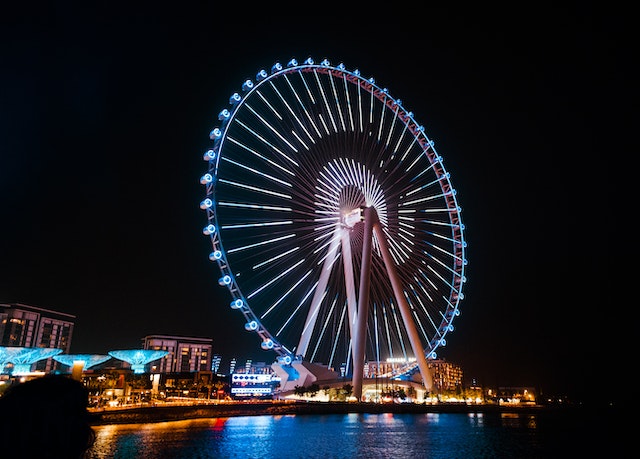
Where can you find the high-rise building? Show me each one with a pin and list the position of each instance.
(215, 363)
(22, 325)
(185, 354)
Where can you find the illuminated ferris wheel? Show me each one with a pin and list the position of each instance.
(333, 221)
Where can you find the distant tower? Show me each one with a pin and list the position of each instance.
(215, 363)
(232, 366)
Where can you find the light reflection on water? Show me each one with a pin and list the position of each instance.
(433, 435)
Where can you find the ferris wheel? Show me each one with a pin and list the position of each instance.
(333, 221)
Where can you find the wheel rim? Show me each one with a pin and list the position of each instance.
(295, 158)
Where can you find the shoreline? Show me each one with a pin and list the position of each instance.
(160, 413)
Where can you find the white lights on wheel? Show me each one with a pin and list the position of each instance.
(307, 159)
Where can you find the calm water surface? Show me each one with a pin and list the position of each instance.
(432, 435)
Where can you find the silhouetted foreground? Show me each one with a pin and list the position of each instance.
(45, 418)
(162, 413)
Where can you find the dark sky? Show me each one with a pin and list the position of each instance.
(105, 113)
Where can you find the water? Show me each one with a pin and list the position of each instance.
(430, 435)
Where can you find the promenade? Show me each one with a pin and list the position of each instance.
(162, 413)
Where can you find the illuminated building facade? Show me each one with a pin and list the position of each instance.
(255, 380)
(215, 363)
(185, 354)
(22, 325)
(446, 376)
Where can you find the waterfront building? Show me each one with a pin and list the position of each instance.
(255, 380)
(447, 377)
(23, 325)
(184, 354)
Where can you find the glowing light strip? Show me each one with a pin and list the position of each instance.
(304, 82)
(434, 182)
(253, 206)
(286, 104)
(395, 149)
(270, 177)
(393, 124)
(268, 104)
(335, 96)
(326, 102)
(253, 225)
(453, 271)
(253, 188)
(266, 142)
(439, 276)
(281, 299)
(386, 326)
(377, 338)
(415, 139)
(425, 336)
(274, 130)
(258, 244)
(451, 254)
(360, 107)
(425, 199)
(435, 222)
(295, 134)
(382, 112)
(304, 109)
(297, 309)
(232, 140)
(324, 327)
(272, 259)
(440, 236)
(339, 331)
(400, 336)
(279, 276)
(346, 93)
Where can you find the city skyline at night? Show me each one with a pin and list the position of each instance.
(106, 114)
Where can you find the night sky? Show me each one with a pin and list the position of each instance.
(105, 114)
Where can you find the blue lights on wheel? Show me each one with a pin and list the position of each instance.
(280, 180)
(206, 204)
(261, 75)
(237, 304)
(235, 98)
